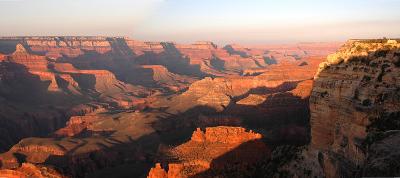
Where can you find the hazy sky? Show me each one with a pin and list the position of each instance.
(222, 21)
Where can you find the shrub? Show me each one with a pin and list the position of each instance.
(366, 79)
(397, 62)
(385, 122)
(323, 94)
(366, 102)
(381, 53)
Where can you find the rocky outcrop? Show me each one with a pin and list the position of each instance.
(29, 170)
(35, 64)
(158, 76)
(228, 135)
(303, 89)
(101, 82)
(209, 153)
(76, 125)
(157, 172)
(219, 92)
(354, 112)
(252, 100)
(2, 57)
(140, 47)
(356, 88)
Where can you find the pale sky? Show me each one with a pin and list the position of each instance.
(221, 21)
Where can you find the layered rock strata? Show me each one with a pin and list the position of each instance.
(355, 109)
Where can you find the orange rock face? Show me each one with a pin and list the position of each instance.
(353, 106)
(2, 57)
(212, 151)
(157, 172)
(228, 135)
(29, 170)
(55, 47)
(75, 125)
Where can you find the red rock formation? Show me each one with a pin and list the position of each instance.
(55, 47)
(213, 149)
(65, 68)
(2, 57)
(101, 81)
(32, 62)
(198, 136)
(228, 135)
(76, 125)
(29, 170)
(139, 47)
(156, 76)
(36, 65)
(157, 172)
(303, 89)
(6, 173)
(218, 93)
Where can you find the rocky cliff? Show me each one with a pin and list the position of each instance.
(354, 99)
(355, 109)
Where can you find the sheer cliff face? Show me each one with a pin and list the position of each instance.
(354, 103)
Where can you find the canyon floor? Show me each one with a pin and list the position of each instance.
(118, 107)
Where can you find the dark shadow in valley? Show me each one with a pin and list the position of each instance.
(269, 60)
(21, 158)
(284, 87)
(112, 158)
(176, 128)
(238, 162)
(14, 81)
(217, 63)
(142, 76)
(173, 60)
(233, 51)
(92, 60)
(30, 110)
(121, 48)
(283, 116)
(87, 82)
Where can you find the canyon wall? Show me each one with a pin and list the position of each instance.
(354, 109)
(356, 97)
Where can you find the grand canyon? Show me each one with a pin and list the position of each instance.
(199, 89)
(119, 107)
